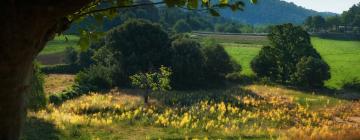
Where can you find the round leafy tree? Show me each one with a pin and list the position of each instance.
(311, 71)
(218, 63)
(138, 46)
(187, 63)
(280, 61)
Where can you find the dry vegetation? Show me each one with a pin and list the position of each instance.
(55, 83)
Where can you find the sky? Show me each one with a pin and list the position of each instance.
(335, 6)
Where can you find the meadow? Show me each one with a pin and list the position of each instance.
(342, 56)
(236, 111)
(53, 53)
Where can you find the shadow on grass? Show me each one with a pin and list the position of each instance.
(344, 94)
(189, 98)
(38, 129)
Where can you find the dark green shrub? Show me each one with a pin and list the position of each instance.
(70, 56)
(218, 63)
(138, 46)
(311, 72)
(181, 26)
(95, 78)
(36, 99)
(187, 63)
(84, 59)
(60, 69)
(352, 84)
(264, 65)
(279, 62)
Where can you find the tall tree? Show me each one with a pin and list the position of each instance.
(28, 25)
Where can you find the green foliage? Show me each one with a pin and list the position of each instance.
(70, 56)
(59, 69)
(187, 63)
(36, 99)
(95, 78)
(138, 46)
(311, 72)
(291, 56)
(352, 84)
(230, 27)
(99, 11)
(350, 18)
(218, 63)
(84, 58)
(155, 81)
(181, 27)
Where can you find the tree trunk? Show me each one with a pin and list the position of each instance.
(146, 96)
(26, 26)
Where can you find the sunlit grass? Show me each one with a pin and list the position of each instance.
(342, 56)
(59, 44)
(253, 112)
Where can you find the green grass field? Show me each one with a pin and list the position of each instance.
(59, 44)
(342, 56)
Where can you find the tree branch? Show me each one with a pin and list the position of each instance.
(118, 7)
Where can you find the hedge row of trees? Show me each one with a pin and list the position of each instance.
(348, 18)
(140, 46)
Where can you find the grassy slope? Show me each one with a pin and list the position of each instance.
(59, 44)
(342, 56)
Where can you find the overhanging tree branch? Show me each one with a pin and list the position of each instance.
(119, 7)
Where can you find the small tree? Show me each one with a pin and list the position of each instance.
(152, 81)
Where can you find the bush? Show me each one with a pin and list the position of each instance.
(138, 46)
(187, 63)
(36, 99)
(352, 84)
(70, 56)
(60, 69)
(291, 59)
(84, 58)
(95, 78)
(311, 72)
(218, 63)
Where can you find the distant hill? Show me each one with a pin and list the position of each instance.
(272, 12)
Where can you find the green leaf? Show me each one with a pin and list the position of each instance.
(193, 4)
(124, 2)
(84, 41)
(253, 1)
(224, 1)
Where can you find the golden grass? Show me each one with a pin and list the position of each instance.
(276, 115)
(55, 83)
